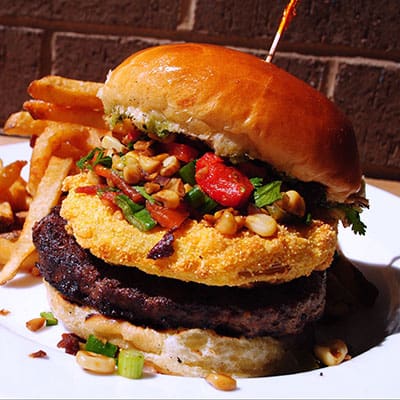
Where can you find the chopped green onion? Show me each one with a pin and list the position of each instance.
(96, 345)
(187, 173)
(83, 162)
(135, 213)
(49, 317)
(195, 197)
(267, 194)
(99, 159)
(130, 363)
(143, 192)
(143, 220)
(208, 205)
(106, 161)
(199, 200)
(123, 201)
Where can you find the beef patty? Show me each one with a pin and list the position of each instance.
(127, 293)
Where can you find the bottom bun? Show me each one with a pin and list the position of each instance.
(186, 352)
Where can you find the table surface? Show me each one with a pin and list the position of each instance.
(388, 185)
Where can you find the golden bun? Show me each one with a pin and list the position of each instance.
(238, 104)
(201, 253)
(186, 352)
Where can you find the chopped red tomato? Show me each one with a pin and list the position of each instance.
(169, 218)
(183, 152)
(224, 184)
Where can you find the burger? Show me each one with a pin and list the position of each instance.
(201, 230)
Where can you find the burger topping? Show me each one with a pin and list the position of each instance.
(169, 218)
(164, 181)
(265, 195)
(135, 213)
(164, 248)
(224, 184)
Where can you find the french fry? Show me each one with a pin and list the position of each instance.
(66, 92)
(10, 173)
(18, 195)
(13, 192)
(48, 111)
(62, 140)
(14, 196)
(48, 195)
(6, 213)
(7, 247)
(66, 119)
(21, 123)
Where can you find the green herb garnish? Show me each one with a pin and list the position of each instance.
(130, 363)
(96, 345)
(267, 194)
(353, 218)
(49, 317)
(143, 192)
(94, 157)
(135, 213)
(199, 200)
(256, 182)
(187, 173)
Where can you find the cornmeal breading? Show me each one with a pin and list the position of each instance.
(201, 253)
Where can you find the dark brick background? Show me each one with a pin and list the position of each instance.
(350, 50)
(90, 57)
(375, 106)
(18, 65)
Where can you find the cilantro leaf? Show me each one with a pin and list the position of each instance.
(353, 218)
(267, 194)
(256, 182)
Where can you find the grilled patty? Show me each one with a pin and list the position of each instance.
(161, 303)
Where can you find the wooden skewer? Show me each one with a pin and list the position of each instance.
(288, 14)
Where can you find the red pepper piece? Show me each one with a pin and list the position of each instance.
(183, 152)
(119, 183)
(90, 189)
(224, 184)
(169, 218)
(108, 198)
(134, 134)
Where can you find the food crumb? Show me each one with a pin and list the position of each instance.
(221, 381)
(35, 324)
(70, 343)
(38, 354)
(4, 312)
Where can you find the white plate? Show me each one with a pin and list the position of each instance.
(372, 374)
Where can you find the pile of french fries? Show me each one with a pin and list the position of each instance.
(64, 121)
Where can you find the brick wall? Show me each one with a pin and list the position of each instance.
(350, 50)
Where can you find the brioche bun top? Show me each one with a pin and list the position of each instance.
(240, 105)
